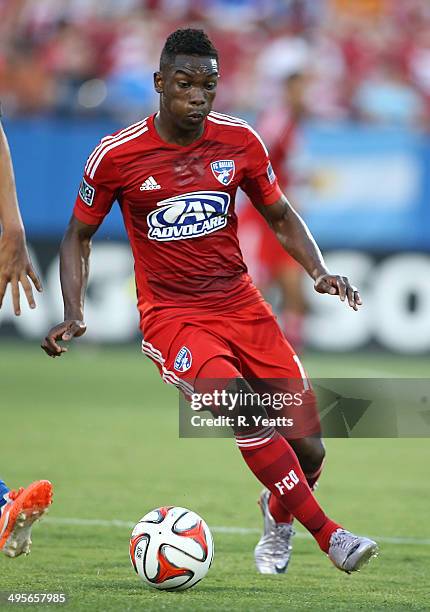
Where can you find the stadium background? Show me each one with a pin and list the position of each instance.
(72, 71)
(99, 422)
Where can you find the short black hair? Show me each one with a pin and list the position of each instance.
(187, 41)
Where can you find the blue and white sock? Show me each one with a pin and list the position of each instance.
(3, 494)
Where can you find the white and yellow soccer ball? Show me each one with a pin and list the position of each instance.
(171, 548)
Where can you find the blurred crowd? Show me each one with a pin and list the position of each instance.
(366, 60)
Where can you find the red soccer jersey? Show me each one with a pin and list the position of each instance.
(178, 208)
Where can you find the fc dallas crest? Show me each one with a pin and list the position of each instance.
(223, 170)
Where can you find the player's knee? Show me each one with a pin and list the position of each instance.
(233, 397)
(310, 452)
(215, 375)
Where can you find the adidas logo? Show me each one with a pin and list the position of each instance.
(149, 184)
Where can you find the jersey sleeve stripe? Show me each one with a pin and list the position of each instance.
(126, 129)
(245, 125)
(109, 147)
(107, 139)
(227, 117)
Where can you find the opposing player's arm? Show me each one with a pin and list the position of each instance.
(15, 264)
(296, 238)
(74, 268)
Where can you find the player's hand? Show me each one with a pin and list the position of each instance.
(64, 331)
(338, 285)
(16, 269)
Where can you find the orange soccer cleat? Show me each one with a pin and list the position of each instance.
(24, 507)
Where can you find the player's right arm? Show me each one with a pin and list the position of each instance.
(97, 192)
(74, 267)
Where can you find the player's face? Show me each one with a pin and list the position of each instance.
(188, 89)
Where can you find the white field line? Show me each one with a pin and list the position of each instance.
(81, 522)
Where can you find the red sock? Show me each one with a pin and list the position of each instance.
(275, 464)
(279, 511)
(277, 507)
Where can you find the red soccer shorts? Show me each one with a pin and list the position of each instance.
(250, 340)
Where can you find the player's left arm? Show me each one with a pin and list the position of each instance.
(296, 238)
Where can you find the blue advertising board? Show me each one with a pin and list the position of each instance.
(49, 156)
(368, 187)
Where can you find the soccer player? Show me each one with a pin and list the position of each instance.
(18, 509)
(270, 263)
(175, 175)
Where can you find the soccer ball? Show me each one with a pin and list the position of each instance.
(171, 548)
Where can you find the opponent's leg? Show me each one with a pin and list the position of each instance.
(19, 513)
(4, 490)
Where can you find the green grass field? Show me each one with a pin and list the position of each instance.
(101, 425)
